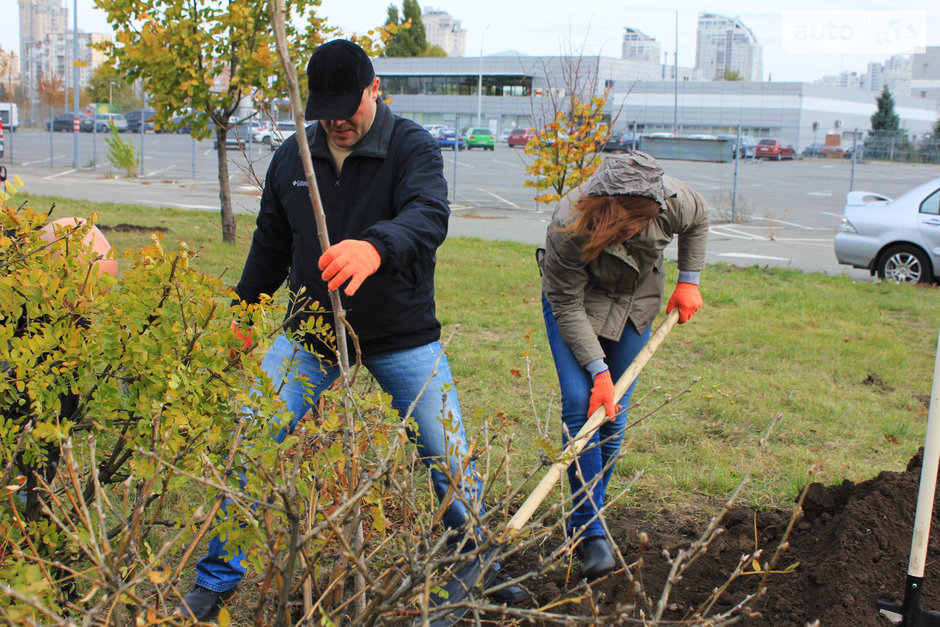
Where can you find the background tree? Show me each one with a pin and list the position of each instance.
(410, 40)
(885, 119)
(49, 88)
(200, 57)
(8, 89)
(930, 146)
(107, 86)
(434, 50)
(887, 140)
(731, 75)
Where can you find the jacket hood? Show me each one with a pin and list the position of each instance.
(631, 174)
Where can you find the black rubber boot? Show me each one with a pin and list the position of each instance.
(202, 604)
(597, 557)
(509, 595)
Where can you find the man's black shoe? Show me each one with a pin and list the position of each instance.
(597, 557)
(202, 604)
(508, 595)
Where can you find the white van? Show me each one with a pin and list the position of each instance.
(9, 115)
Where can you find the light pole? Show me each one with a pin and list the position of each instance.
(675, 83)
(110, 96)
(75, 103)
(480, 82)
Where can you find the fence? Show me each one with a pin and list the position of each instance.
(898, 146)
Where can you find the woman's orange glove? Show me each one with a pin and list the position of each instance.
(687, 298)
(603, 394)
(351, 259)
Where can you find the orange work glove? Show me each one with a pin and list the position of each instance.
(244, 335)
(351, 259)
(687, 298)
(603, 394)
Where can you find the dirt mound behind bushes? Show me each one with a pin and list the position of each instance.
(849, 548)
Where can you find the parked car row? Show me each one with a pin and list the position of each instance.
(270, 134)
(474, 137)
(128, 122)
(819, 149)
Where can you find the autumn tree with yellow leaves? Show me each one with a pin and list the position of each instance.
(566, 147)
(200, 59)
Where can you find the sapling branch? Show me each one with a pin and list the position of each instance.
(686, 557)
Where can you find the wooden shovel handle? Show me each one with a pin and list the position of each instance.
(928, 479)
(578, 442)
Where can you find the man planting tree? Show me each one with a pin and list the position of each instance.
(383, 192)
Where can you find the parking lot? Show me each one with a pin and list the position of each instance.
(786, 212)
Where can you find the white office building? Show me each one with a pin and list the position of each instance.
(521, 91)
(726, 45)
(925, 73)
(517, 90)
(849, 80)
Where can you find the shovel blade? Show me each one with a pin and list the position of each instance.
(910, 613)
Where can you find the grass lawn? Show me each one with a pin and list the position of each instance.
(847, 364)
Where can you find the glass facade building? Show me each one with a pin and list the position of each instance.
(442, 85)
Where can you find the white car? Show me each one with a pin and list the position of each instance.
(281, 131)
(897, 239)
(260, 132)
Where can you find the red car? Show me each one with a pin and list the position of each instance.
(773, 148)
(520, 136)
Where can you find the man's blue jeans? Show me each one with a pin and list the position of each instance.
(575, 383)
(401, 374)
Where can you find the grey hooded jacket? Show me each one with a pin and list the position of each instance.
(626, 281)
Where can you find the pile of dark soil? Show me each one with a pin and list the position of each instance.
(850, 544)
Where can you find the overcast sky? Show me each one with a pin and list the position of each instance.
(807, 40)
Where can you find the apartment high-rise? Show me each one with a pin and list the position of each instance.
(441, 29)
(639, 46)
(42, 24)
(47, 48)
(724, 44)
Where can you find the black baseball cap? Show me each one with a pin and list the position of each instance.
(337, 73)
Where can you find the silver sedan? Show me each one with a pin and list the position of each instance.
(897, 239)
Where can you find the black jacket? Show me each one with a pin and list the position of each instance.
(391, 193)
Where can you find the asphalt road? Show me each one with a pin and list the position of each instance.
(786, 213)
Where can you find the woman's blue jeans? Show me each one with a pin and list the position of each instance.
(401, 374)
(575, 383)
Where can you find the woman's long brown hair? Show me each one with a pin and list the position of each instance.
(604, 220)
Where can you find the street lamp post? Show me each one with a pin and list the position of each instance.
(110, 96)
(480, 82)
(75, 103)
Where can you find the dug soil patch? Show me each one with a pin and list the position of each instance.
(132, 228)
(848, 548)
